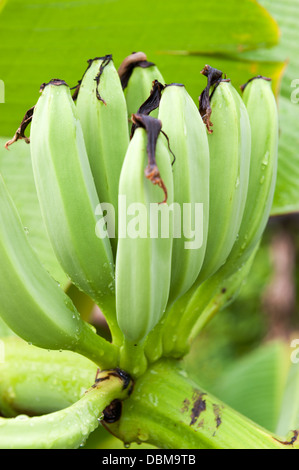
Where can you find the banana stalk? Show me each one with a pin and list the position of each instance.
(169, 410)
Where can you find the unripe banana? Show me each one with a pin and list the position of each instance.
(67, 428)
(137, 76)
(31, 303)
(102, 111)
(143, 261)
(229, 145)
(263, 114)
(186, 132)
(262, 111)
(67, 194)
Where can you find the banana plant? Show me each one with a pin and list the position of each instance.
(155, 292)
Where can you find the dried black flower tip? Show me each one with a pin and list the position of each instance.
(214, 77)
(242, 87)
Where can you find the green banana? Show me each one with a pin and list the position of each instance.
(70, 427)
(229, 145)
(102, 111)
(263, 114)
(184, 127)
(56, 378)
(137, 76)
(67, 196)
(143, 261)
(31, 303)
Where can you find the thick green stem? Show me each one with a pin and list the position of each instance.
(168, 410)
(69, 427)
(162, 339)
(108, 308)
(172, 329)
(153, 347)
(210, 297)
(97, 349)
(132, 358)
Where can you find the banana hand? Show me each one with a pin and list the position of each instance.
(143, 261)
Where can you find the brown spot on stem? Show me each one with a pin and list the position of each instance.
(217, 413)
(199, 405)
(186, 405)
(112, 412)
(201, 424)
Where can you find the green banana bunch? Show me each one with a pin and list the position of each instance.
(31, 303)
(185, 129)
(67, 194)
(102, 111)
(143, 261)
(263, 114)
(229, 145)
(137, 75)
